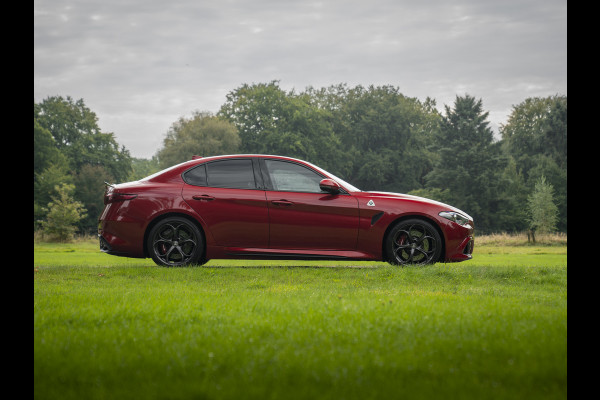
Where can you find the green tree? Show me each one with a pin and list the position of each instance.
(142, 167)
(537, 126)
(304, 131)
(45, 151)
(441, 195)
(511, 195)
(271, 121)
(67, 143)
(89, 191)
(546, 166)
(77, 136)
(543, 213)
(203, 134)
(535, 135)
(383, 135)
(554, 140)
(256, 111)
(44, 188)
(63, 214)
(469, 162)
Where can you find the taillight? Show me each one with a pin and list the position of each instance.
(113, 197)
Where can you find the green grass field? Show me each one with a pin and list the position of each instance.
(107, 327)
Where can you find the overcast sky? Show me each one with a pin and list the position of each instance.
(142, 64)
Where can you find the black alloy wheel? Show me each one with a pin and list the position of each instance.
(175, 242)
(413, 242)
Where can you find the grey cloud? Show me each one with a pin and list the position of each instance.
(141, 64)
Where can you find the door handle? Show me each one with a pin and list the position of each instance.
(203, 197)
(282, 202)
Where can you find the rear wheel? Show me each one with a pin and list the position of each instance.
(175, 242)
(413, 242)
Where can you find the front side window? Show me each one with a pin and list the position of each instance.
(231, 174)
(290, 177)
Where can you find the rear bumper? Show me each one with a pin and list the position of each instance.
(121, 238)
(104, 245)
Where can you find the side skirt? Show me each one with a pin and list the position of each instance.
(216, 252)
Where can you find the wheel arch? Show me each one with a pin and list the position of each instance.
(413, 216)
(161, 217)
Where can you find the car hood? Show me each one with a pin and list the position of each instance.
(402, 196)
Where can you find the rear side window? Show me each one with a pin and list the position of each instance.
(196, 176)
(232, 174)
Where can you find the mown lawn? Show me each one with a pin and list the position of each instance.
(107, 327)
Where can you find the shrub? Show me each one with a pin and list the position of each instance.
(63, 213)
(543, 213)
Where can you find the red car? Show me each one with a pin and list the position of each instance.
(273, 207)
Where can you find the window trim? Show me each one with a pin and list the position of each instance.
(257, 185)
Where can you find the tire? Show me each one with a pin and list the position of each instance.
(176, 242)
(413, 242)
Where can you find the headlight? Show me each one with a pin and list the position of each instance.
(454, 216)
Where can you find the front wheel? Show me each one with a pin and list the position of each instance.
(175, 242)
(413, 242)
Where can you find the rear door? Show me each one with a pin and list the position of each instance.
(227, 196)
(301, 216)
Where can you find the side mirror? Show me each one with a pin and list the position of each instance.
(329, 186)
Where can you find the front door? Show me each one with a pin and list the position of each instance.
(301, 216)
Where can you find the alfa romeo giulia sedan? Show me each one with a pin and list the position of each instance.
(273, 207)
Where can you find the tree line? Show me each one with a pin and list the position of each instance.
(373, 137)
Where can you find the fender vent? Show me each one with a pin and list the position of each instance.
(376, 217)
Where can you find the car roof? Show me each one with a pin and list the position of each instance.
(209, 158)
(173, 172)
